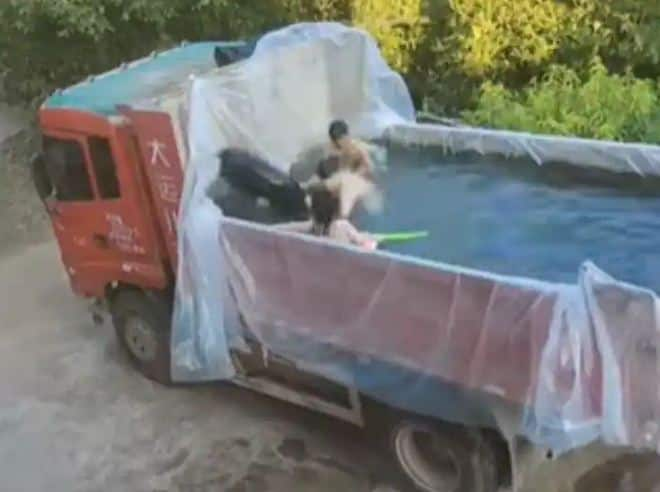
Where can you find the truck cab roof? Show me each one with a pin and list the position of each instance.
(142, 80)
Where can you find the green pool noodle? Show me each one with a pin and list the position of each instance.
(400, 237)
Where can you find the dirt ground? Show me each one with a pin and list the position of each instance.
(75, 417)
(22, 218)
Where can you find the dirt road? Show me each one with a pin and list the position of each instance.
(22, 218)
(75, 417)
(12, 120)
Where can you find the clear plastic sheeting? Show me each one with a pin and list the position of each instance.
(275, 104)
(617, 157)
(603, 342)
(625, 322)
(453, 343)
(575, 363)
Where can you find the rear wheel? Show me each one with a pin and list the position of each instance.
(142, 322)
(436, 458)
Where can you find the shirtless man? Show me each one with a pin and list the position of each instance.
(352, 155)
(352, 180)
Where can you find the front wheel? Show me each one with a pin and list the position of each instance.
(437, 458)
(142, 323)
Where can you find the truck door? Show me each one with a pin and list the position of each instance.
(100, 212)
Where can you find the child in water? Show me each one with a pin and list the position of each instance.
(326, 222)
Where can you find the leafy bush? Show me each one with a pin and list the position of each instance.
(507, 41)
(600, 105)
(622, 32)
(511, 41)
(455, 54)
(320, 10)
(49, 43)
(501, 35)
(396, 24)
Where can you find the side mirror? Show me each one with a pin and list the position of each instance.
(40, 177)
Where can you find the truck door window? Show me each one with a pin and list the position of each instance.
(104, 167)
(65, 165)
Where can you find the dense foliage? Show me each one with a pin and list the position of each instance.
(522, 64)
(598, 105)
(504, 35)
(396, 24)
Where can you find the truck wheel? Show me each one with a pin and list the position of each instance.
(142, 322)
(436, 458)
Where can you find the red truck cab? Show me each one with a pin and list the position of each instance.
(110, 174)
(111, 170)
(102, 212)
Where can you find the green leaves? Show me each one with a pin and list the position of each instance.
(398, 25)
(520, 64)
(45, 44)
(599, 105)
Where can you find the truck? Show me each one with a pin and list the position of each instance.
(111, 174)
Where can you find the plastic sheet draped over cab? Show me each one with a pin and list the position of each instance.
(560, 364)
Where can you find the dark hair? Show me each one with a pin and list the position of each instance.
(337, 130)
(325, 209)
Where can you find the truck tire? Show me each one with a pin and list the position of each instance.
(142, 323)
(443, 458)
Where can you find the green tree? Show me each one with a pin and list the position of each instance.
(51, 43)
(599, 105)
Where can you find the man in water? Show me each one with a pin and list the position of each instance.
(347, 172)
(351, 153)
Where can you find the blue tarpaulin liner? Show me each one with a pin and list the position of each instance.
(510, 216)
(457, 326)
(145, 80)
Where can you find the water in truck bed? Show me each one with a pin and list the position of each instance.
(514, 217)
